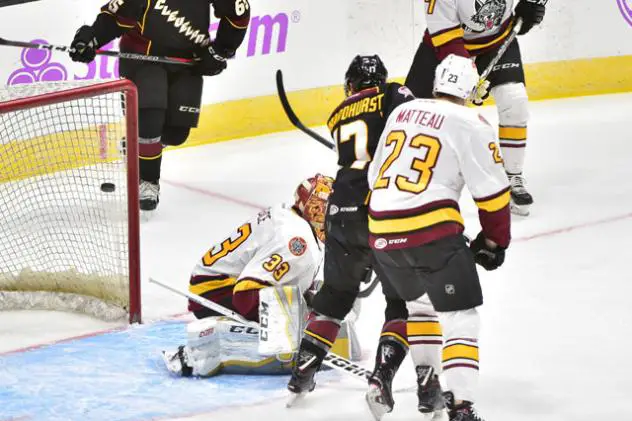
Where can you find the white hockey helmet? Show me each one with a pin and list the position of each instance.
(456, 76)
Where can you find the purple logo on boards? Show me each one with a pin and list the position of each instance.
(626, 9)
(37, 67)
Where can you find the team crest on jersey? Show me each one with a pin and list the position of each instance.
(489, 14)
(297, 246)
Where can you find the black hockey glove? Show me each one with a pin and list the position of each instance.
(531, 12)
(211, 61)
(489, 258)
(85, 44)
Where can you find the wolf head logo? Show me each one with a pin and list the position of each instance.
(489, 13)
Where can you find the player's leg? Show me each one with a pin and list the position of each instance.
(408, 278)
(508, 88)
(152, 84)
(426, 344)
(455, 292)
(183, 112)
(391, 350)
(347, 262)
(420, 77)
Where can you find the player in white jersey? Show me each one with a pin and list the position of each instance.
(281, 246)
(477, 28)
(429, 150)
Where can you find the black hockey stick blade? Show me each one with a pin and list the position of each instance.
(291, 115)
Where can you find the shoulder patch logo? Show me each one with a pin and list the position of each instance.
(403, 90)
(297, 246)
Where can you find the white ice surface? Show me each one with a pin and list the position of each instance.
(557, 317)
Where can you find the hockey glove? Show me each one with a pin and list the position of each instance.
(490, 258)
(211, 61)
(84, 46)
(481, 92)
(531, 12)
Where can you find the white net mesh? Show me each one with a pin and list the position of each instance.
(60, 231)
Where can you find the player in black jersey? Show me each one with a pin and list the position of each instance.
(356, 125)
(169, 96)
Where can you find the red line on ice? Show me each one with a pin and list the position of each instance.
(213, 194)
(575, 227)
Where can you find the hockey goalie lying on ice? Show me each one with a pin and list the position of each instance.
(266, 272)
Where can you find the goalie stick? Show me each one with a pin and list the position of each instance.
(291, 115)
(119, 54)
(331, 360)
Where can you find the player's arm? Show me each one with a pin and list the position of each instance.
(444, 27)
(286, 261)
(395, 95)
(116, 18)
(482, 168)
(234, 17)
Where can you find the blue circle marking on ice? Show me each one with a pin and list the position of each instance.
(119, 376)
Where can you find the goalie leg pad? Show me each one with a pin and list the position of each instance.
(281, 315)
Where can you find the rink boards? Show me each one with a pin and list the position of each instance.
(119, 375)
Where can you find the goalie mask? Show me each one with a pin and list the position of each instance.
(311, 198)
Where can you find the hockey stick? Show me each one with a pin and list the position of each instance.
(501, 50)
(291, 115)
(331, 360)
(119, 54)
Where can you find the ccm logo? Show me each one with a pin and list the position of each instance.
(506, 66)
(187, 109)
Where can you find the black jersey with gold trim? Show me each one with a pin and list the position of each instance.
(356, 126)
(172, 27)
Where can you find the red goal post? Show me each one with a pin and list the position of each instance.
(68, 240)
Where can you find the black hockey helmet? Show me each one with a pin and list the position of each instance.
(364, 72)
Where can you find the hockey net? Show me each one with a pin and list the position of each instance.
(67, 241)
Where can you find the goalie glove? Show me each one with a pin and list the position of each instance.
(481, 92)
(486, 255)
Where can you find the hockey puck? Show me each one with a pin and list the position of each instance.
(108, 187)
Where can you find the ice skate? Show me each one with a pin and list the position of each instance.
(379, 397)
(429, 394)
(302, 382)
(463, 411)
(149, 195)
(521, 199)
(176, 362)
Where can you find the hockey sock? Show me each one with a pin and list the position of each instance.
(321, 331)
(150, 154)
(426, 340)
(392, 348)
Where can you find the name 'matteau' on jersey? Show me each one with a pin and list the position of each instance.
(429, 150)
(356, 125)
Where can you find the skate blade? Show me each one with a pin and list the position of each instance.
(520, 210)
(294, 399)
(373, 397)
(147, 215)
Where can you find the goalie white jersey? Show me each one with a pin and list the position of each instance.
(482, 24)
(277, 247)
(428, 151)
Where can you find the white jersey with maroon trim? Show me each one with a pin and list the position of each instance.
(481, 23)
(428, 151)
(277, 247)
